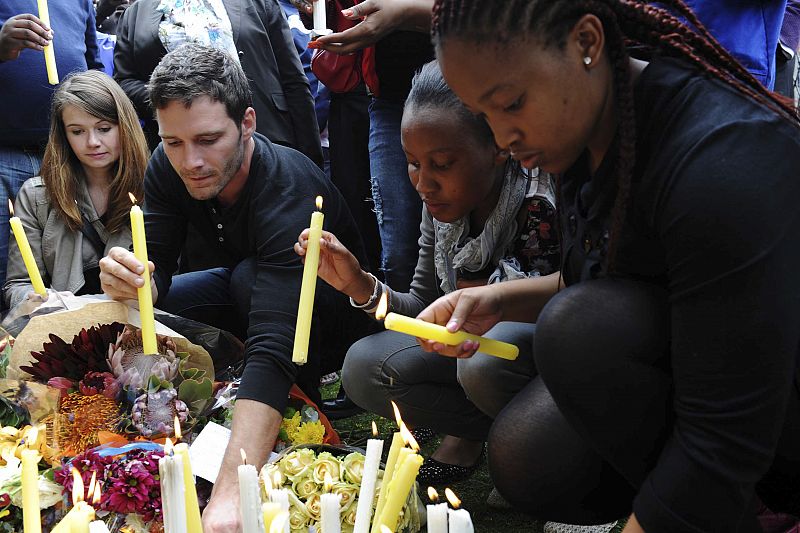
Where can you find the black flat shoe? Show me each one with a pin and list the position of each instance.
(436, 473)
(341, 407)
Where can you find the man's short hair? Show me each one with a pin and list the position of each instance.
(194, 70)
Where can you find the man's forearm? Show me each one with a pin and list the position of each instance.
(255, 428)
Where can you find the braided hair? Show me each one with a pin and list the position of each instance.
(626, 23)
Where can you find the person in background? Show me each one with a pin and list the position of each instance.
(78, 207)
(26, 93)
(254, 33)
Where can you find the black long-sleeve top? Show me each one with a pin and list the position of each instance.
(714, 218)
(273, 208)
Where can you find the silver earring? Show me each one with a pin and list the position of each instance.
(587, 61)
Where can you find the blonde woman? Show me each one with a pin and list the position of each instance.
(77, 208)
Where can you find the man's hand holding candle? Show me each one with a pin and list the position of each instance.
(23, 31)
(121, 275)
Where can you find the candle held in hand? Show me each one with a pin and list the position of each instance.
(437, 333)
(25, 250)
(144, 293)
(305, 308)
(49, 53)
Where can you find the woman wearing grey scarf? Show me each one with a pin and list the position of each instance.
(474, 231)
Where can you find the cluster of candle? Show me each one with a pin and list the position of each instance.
(269, 517)
(81, 518)
(178, 491)
(442, 519)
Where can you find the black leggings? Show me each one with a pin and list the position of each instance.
(576, 444)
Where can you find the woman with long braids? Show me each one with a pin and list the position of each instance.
(668, 350)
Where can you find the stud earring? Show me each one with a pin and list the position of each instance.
(587, 61)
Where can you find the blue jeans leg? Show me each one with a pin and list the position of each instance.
(397, 205)
(16, 166)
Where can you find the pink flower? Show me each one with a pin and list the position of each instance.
(99, 383)
(62, 384)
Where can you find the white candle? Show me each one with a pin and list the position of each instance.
(437, 518)
(281, 497)
(98, 526)
(329, 513)
(369, 477)
(320, 17)
(250, 500)
(460, 521)
(173, 503)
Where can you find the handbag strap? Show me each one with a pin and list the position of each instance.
(94, 238)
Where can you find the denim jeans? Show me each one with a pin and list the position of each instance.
(16, 166)
(397, 205)
(221, 297)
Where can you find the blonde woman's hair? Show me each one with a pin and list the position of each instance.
(97, 94)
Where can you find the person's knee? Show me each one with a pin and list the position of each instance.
(482, 383)
(592, 327)
(361, 375)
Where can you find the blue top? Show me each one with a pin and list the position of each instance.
(749, 30)
(25, 105)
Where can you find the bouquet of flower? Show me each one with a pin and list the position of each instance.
(303, 472)
(128, 481)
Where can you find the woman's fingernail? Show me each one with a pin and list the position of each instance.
(314, 45)
(452, 325)
(347, 12)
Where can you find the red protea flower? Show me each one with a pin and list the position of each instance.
(86, 353)
(99, 383)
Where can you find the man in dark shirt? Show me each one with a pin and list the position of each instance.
(251, 199)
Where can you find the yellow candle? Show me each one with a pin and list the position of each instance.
(193, 522)
(49, 54)
(31, 514)
(25, 251)
(277, 523)
(399, 489)
(305, 308)
(145, 294)
(435, 332)
(391, 461)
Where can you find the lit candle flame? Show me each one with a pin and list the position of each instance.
(276, 480)
(383, 307)
(133, 198)
(244, 456)
(433, 496)
(92, 486)
(168, 447)
(11, 207)
(397, 417)
(97, 494)
(177, 424)
(319, 203)
(374, 429)
(77, 486)
(452, 498)
(408, 437)
(328, 482)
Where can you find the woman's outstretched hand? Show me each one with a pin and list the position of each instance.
(338, 267)
(378, 18)
(475, 310)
